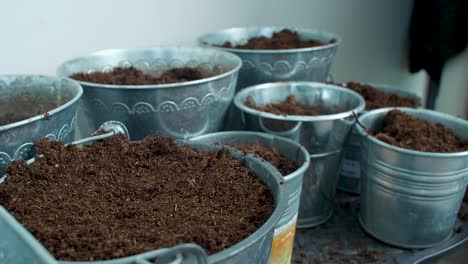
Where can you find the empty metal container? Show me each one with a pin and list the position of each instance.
(350, 163)
(48, 105)
(323, 135)
(263, 66)
(253, 249)
(410, 198)
(283, 241)
(180, 110)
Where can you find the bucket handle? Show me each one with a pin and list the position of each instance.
(291, 133)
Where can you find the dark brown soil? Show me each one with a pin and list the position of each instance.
(289, 107)
(285, 39)
(406, 131)
(284, 165)
(9, 118)
(376, 98)
(134, 76)
(116, 198)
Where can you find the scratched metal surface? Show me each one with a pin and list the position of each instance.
(341, 239)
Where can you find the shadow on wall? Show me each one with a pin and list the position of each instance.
(453, 94)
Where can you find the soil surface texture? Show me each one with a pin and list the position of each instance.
(406, 131)
(134, 76)
(376, 98)
(289, 107)
(117, 198)
(283, 164)
(285, 39)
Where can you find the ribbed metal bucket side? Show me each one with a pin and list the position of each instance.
(411, 198)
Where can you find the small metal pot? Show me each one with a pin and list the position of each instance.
(410, 198)
(54, 97)
(180, 110)
(323, 136)
(350, 163)
(253, 249)
(283, 240)
(263, 66)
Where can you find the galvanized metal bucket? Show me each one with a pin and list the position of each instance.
(263, 66)
(253, 249)
(283, 241)
(323, 136)
(410, 198)
(50, 102)
(180, 110)
(350, 163)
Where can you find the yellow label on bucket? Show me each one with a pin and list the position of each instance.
(283, 243)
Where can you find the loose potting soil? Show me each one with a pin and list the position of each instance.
(134, 76)
(289, 107)
(376, 98)
(117, 198)
(285, 39)
(406, 131)
(9, 118)
(283, 164)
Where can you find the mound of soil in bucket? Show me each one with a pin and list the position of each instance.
(406, 131)
(117, 198)
(376, 98)
(134, 76)
(283, 164)
(289, 107)
(285, 39)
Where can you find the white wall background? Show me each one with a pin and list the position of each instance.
(38, 35)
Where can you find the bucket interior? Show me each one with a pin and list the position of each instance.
(25, 97)
(331, 99)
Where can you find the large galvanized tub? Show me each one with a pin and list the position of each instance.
(253, 249)
(180, 110)
(263, 66)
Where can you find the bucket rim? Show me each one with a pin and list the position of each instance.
(110, 52)
(77, 91)
(300, 170)
(244, 93)
(201, 40)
